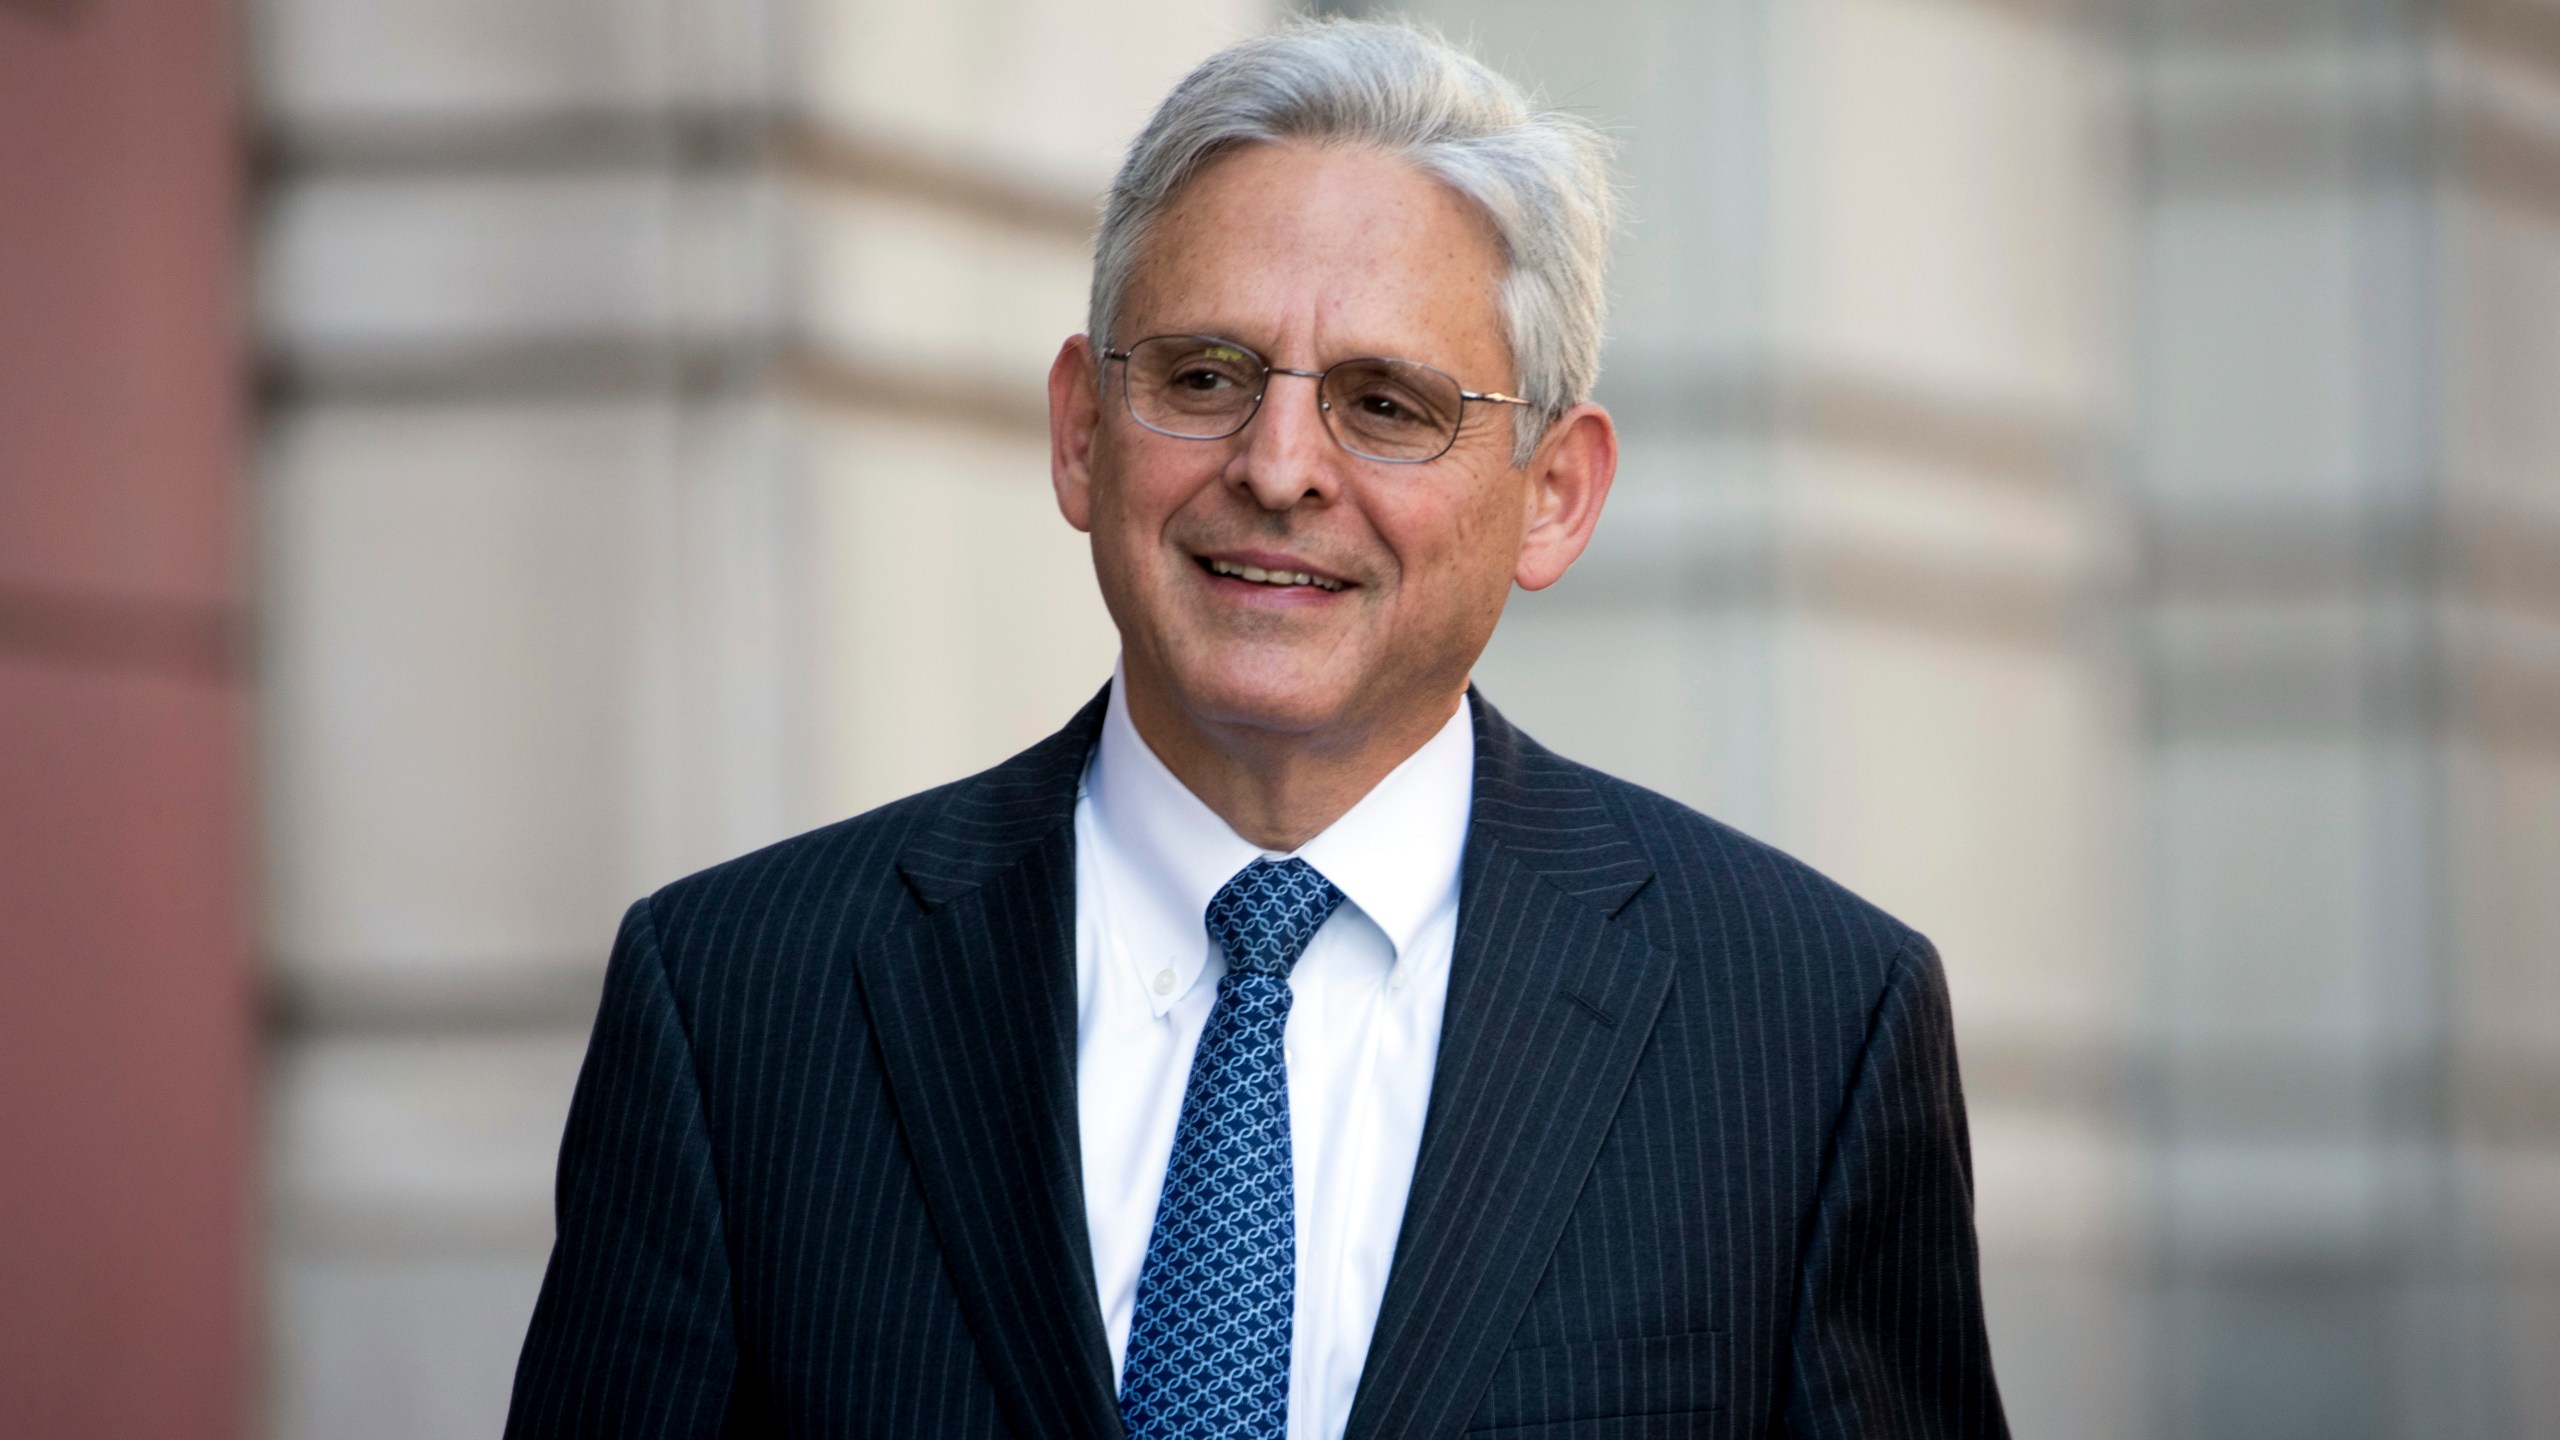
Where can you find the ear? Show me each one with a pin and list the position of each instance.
(1075, 413)
(1569, 481)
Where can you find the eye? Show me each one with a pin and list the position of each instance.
(1385, 402)
(1201, 378)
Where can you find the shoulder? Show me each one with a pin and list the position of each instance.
(1701, 857)
(848, 866)
(1716, 896)
(832, 884)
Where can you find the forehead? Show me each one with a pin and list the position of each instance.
(1334, 248)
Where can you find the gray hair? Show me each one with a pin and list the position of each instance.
(1539, 175)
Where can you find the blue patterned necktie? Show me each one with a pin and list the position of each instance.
(1209, 1344)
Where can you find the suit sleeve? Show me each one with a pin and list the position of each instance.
(633, 1335)
(1889, 1338)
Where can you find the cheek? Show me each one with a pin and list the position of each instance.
(1144, 492)
(1118, 551)
(1120, 522)
(1457, 555)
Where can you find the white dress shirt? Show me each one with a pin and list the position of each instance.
(1364, 1025)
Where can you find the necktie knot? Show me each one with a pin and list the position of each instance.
(1264, 917)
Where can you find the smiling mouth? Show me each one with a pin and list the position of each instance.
(1259, 576)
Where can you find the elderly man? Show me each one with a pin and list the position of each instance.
(1288, 1047)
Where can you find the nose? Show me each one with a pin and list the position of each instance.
(1288, 456)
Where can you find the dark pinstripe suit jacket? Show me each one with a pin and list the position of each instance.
(1695, 1162)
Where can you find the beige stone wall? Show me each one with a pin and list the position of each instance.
(2500, 308)
(654, 468)
(2346, 253)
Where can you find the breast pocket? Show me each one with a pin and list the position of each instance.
(1658, 1386)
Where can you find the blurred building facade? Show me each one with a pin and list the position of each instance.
(655, 467)
(2089, 485)
(2344, 306)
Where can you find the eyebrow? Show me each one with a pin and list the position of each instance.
(1236, 335)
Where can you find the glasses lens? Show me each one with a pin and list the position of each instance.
(1193, 386)
(1392, 409)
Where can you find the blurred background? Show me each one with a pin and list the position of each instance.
(2092, 483)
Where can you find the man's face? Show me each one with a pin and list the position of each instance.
(1309, 255)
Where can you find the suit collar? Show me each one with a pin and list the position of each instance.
(988, 822)
(1540, 809)
(1533, 804)
(1550, 1005)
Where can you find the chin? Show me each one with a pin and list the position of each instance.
(1273, 692)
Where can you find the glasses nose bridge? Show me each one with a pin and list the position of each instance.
(1324, 407)
(1316, 375)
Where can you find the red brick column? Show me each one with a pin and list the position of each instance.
(127, 1034)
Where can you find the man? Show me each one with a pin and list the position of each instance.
(1289, 1046)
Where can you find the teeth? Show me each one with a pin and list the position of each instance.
(1260, 576)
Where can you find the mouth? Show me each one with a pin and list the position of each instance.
(1278, 577)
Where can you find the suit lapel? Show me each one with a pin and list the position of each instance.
(1550, 1005)
(974, 1007)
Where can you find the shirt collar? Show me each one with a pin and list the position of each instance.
(1395, 854)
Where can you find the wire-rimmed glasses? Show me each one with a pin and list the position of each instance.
(1201, 387)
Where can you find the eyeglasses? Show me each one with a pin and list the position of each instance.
(1199, 387)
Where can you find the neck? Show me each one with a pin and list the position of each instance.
(1280, 790)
